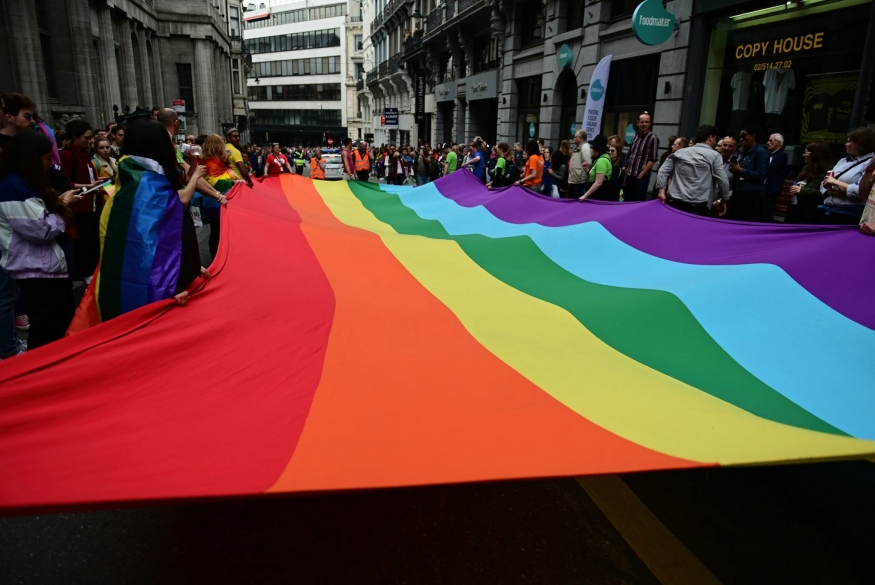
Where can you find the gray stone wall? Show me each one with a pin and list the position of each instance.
(94, 63)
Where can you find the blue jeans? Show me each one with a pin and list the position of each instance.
(8, 296)
(421, 180)
(635, 189)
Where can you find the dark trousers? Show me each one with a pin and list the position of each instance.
(8, 296)
(86, 249)
(214, 214)
(363, 175)
(635, 189)
(746, 206)
(767, 207)
(694, 208)
(50, 307)
(576, 190)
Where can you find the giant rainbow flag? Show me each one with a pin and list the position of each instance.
(356, 335)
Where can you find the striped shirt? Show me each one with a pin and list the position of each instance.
(644, 148)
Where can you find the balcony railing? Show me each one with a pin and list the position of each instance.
(383, 69)
(435, 18)
(353, 18)
(372, 76)
(395, 63)
(360, 85)
(466, 4)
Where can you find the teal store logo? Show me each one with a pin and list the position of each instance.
(597, 90)
(565, 56)
(652, 24)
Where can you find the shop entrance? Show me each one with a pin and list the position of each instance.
(567, 85)
(483, 119)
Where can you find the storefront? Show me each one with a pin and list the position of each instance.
(445, 100)
(529, 109)
(481, 92)
(795, 68)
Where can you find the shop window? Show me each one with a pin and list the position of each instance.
(529, 108)
(631, 90)
(533, 20)
(789, 70)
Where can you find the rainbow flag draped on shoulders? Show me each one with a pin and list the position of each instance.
(219, 175)
(140, 244)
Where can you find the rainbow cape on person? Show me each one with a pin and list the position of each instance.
(218, 174)
(140, 244)
(357, 335)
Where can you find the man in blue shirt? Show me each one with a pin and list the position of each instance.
(750, 175)
(476, 161)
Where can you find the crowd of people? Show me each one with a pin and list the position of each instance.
(54, 188)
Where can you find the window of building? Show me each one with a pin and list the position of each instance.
(357, 42)
(317, 117)
(296, 41)
(45, 41)
(304, 92)
(533, 19)
(359, 71)
(573, 14)
(631, 90)
(485, 53)
(447, 72)
(300, 15)
(529, 108)
(235, 76)
(623, 8)
(292, 67)
(234, 21)
(186, 88)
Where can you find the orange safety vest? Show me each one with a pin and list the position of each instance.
(316, 171)
(361, 164)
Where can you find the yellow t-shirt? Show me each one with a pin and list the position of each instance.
(234, 158)
(536, 163)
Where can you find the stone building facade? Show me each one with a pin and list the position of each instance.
(80, 58)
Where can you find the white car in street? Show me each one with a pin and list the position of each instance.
(333, 164)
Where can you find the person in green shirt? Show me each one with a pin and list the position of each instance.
(601, 170)
(452, 160)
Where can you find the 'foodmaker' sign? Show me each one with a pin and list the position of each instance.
(652, 24)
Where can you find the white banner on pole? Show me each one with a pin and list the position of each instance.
(595, 99)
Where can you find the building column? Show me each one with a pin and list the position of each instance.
(144, 65)
(204, 88)
(21, 54)
(158, 64)
(84, 77)
(127, 67)
(110, 68)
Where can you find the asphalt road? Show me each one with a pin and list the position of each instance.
(790, 524)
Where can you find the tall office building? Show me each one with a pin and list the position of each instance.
(300, 65)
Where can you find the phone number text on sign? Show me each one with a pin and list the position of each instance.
(773, 65)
